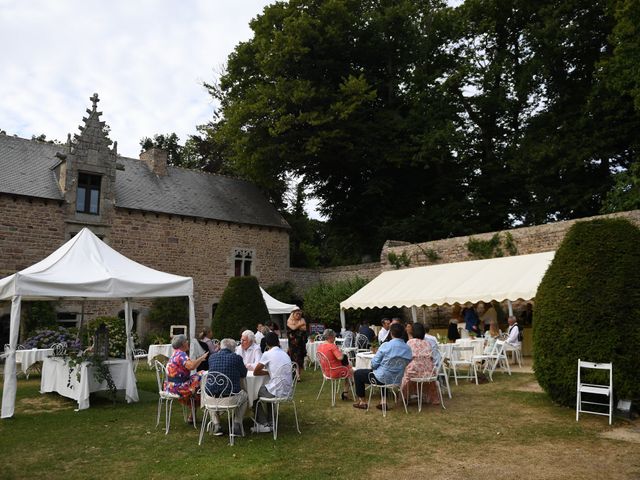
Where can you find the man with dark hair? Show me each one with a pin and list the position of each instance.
(277, 364)
(367, 331)
(384, 331)
(388, 364)
(398, 321)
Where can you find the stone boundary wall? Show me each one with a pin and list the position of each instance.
(535, 239)
(304, 278)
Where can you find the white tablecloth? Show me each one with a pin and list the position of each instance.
(476, 343)
(363, 360)
(165, 350)
(55, 376)
(252, 385)
(312, 349)
(26, 358)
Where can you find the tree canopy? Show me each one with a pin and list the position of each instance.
(415, 120)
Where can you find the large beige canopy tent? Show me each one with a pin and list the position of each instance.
(84, 268)
(505, 278)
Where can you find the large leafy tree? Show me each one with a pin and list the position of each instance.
(414, 120)
(333, 92)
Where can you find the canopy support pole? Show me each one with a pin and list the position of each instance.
(343, 321)
(10, 380)
(192, 325)
(128, 325)
(510, 307)
(414, 313)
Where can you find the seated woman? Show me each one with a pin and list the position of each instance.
(335, 357)
(421, 366)
(491, 336)
(179, 378)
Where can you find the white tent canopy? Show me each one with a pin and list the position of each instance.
(276, 307)
(505, 278)
(85, 268)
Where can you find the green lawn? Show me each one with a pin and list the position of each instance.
(504, 429)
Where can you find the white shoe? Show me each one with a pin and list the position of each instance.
(261, 428)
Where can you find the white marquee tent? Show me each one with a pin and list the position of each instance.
(84, 268)
(505, 278)
(276, 307)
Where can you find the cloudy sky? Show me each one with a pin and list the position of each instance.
(146, 59)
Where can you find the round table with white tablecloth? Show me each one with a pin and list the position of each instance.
(363, 360)
(312, 349)
(252, 385)
(166, 350)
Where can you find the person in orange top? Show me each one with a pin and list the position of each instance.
(338, 362)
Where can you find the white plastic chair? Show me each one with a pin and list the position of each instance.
(463, 357)
(443, 375)
(423, 376)
(167, 398)
(220, 403)
(397, 363)
(348, 347)
(516, 352)
(327, 375)
(594, 389)
(275, 402)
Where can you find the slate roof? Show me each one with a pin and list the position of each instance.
(26, 169)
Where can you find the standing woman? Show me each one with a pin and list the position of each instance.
(297, 335)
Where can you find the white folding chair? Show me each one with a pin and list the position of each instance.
(328, 375)
(275, 402)
(594, 388)
(167, 398)
(348, 347)
(225, 401)
(494, 359)
(516, 352)
(463, 357)
(397, 364)
(423, 376)
(443, 376)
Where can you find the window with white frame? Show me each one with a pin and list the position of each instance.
(242, 261)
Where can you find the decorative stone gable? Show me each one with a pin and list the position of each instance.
(88, 171)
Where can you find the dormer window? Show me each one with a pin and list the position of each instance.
(88, 196)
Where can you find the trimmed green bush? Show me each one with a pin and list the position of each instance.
(322, 302)
(168, 311)
(588, 307)
(240, 307)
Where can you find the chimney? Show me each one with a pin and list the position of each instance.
(156, 160)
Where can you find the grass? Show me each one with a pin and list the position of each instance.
(500, 429)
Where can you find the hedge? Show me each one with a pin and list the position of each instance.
(240, 307)
(588, 307)
(322, 302)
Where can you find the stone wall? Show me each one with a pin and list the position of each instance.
(304, 278)
(536, 239)
(30, 229)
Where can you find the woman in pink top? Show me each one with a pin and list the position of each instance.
(335, 368)
(421, 366)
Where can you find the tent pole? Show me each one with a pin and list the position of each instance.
(414, 313)
(192, 323)
(10, 380)
(81, 318)
(510, 307)
(343, 321)
(128, 324)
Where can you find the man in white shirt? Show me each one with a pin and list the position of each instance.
(513, 334)
(259, 335)
(384, 331)
(249, 350)
(277, 364)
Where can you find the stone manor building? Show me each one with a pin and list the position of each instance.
(206, 226)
